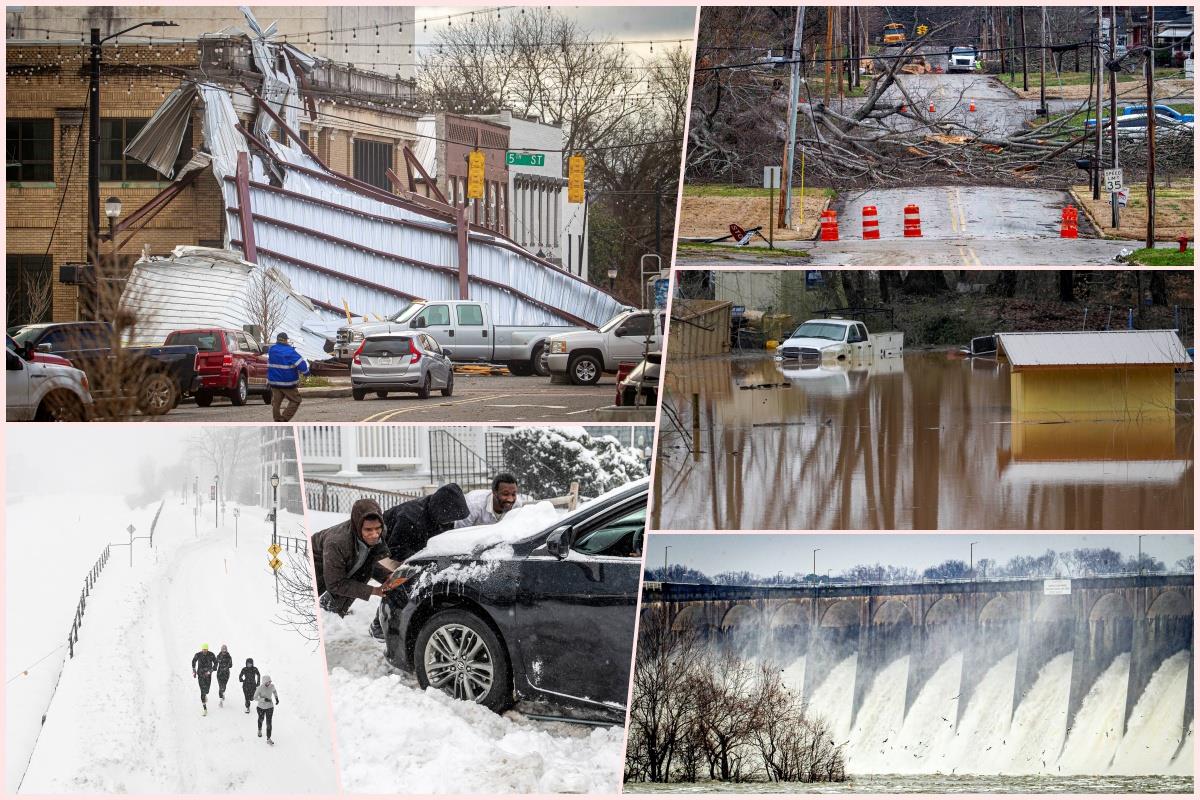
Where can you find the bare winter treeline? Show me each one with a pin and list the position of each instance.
(1082, 562)
(702, 713)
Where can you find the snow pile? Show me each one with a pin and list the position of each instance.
(518, 524)
(125, 717)
(395, 738)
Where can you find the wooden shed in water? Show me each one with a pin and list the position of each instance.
(1090, 375)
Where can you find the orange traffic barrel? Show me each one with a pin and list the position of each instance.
(972, 106)
(1069, 229)
(912, 221)
(931, 108)
(829, 226)
(870, 217)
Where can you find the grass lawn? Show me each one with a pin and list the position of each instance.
(1174, 212)
(1082, 78)
(311, 381)
(1162, 257)
(701, 247)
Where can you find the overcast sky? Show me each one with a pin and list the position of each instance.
(96, 458)
(768, 554)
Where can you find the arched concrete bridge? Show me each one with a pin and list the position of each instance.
(1096, 619)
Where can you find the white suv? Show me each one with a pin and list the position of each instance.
(44, 392)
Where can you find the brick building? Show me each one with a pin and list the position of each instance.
(363, 120)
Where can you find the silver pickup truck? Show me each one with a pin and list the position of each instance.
(466, 329)
(583, 357)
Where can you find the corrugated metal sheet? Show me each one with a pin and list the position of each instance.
(698, 328)
(157, 144)
(426, 147)
(1092, 348)
(202, 287)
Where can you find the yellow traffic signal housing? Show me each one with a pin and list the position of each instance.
(575, 179)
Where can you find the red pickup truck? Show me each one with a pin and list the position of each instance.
(230, 363)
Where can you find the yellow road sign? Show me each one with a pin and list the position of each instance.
(475, 163)
(274, 549)
(275, 564)
(922, 30)
(575, 179)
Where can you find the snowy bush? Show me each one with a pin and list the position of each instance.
(547, 461)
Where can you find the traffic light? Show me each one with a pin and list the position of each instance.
(475, 163)
(575, 179)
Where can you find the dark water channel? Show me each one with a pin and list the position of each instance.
(926, 441)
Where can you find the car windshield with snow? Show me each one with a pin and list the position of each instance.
(536, 609)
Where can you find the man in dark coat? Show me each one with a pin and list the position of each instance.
(203, 664)
(411, 525)
(346, 556)
(224, 665)
(248, 677)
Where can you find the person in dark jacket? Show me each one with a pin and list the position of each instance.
(411, 525)
(284, 368)
(248, 677)
(203, 664)
(346, 556)
(224, 666)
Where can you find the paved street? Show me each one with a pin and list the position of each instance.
(489, 398)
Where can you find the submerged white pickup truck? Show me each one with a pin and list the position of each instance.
(840, 340)
(465, 329)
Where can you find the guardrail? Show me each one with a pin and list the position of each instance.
(293, 544)
(88, 582)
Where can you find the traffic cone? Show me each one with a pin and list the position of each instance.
(931, 111)
(870, 216)
(971, 107)
(1069, 229)
(912, 221)
(829, 226)
(903, 108)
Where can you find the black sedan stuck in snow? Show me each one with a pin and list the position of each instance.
(546, 617)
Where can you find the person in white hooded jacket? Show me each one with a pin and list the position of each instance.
(265, 699)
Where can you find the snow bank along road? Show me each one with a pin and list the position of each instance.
(126, 715)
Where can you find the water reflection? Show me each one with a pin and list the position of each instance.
(926, 441)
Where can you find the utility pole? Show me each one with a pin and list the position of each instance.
(828, 49)
(1100, 97)
(1024, 51)
(785, 197)
(815, 551)
(1150, 120)
(1042, 110)
(93, 234)
(1112, 112)
(658, 219)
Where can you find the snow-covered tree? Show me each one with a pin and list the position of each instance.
(547, 461)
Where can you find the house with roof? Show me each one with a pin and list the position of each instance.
(1092, 375)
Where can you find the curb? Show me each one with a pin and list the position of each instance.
(817, 233)
(1096, 226)
(325, 391)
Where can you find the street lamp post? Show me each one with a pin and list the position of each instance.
(973, 559)
(236, 514)
(112, 210)
(666, 551)
(275, 523)
(94, 139)
(216, 500)
(815, 551)
(612, 276)
(1140, 554)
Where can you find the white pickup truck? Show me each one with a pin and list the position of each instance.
(839, 340)
(464, 329)
(582, 357)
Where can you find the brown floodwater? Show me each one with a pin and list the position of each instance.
(926, 441)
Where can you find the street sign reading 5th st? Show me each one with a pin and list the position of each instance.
(515, 159)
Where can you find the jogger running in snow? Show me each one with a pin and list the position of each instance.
(203, 664)
(249, 680)
(266, 698)
(224, 665)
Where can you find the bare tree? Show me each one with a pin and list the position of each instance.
(222, 450)
(299, 612)
(266, 304)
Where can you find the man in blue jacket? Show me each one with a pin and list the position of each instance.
(284, 368)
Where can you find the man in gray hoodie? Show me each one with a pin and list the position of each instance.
(265, 700)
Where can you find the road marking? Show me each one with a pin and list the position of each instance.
(950, 206)
(962, 211)
(384, 416)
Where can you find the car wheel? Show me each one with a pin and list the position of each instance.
(60, 407)
(584, 370)
(519, 368)
(204, 399)
(539, 361)
(382, 395)
(423, 392)
(461, 655)
(158, 394)
(358, 394)
(240, 392)
(449, 390)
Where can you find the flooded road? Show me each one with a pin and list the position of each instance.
(926, 441)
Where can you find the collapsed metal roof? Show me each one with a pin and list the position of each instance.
(1092, 349)
(345, 245)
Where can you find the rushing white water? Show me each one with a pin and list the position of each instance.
(1096, 731)
(1184, 763)
(833, 699)
(982, 732)
(1156, 725)
(793, 676)
(930, 727)
(879, 719)
(1039, 725)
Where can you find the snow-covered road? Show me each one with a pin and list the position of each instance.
(126, 715)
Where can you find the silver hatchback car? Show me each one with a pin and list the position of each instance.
(392, 362)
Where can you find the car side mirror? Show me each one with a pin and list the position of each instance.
(447, 352)
(419, 322)
(45, 347)
(558, 544)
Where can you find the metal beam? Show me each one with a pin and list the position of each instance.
(249, 252)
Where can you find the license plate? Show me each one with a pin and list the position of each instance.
(385, 361)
